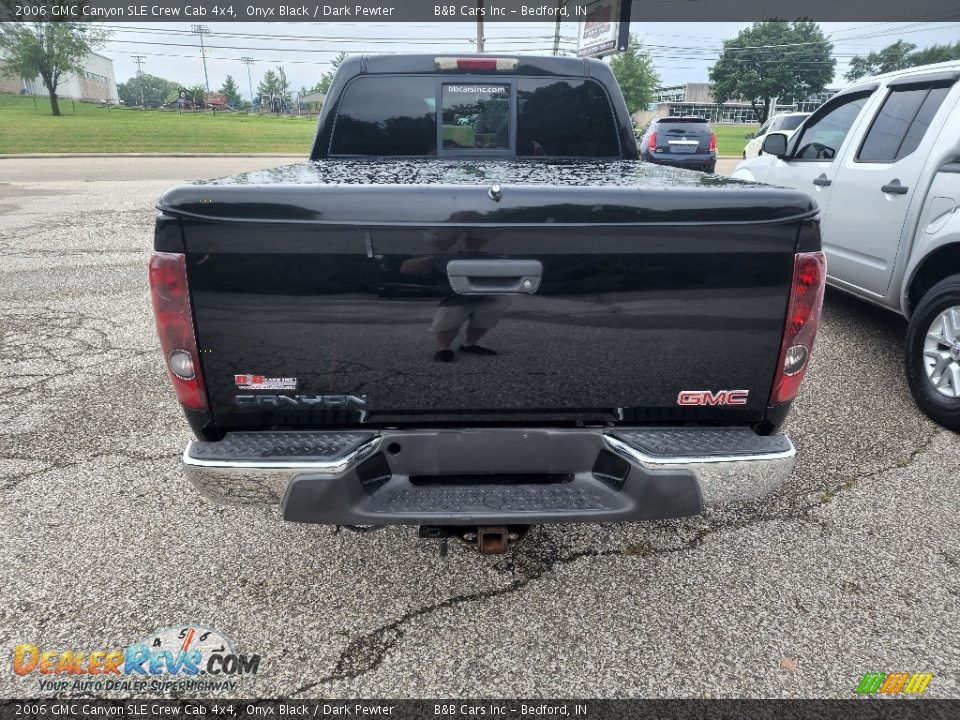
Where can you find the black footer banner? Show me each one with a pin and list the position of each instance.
(444, 709)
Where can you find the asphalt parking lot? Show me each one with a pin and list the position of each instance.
(851, 568)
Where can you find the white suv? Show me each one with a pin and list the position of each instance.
(882, 160)
(786, 123)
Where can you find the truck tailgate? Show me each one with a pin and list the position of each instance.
(323, 303)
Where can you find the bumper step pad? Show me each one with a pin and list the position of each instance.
(565, 498)
(687, 443)
(286, 446)
(433, 477)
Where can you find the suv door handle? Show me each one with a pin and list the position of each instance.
(894, 187)
(823, 181)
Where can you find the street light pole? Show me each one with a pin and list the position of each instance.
(248, 61)
(202, 30)
(139, 60)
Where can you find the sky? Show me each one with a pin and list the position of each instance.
(682, 52)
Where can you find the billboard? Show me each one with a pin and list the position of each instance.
(605, 29)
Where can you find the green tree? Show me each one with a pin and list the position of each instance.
(935, 54)
(231, 90)
(283, 87)
(268, 85)
(636, 74)
(195, 93)
(773, 59)
(898, 56)
(892, 57)
(324, 85)
(155, 90)
(48, 49)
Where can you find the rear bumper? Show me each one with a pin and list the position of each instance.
(489, 476)
(691, 162)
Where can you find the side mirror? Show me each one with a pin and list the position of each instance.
(749, 136)
(775, 144)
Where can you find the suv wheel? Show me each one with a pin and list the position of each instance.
(933, 353)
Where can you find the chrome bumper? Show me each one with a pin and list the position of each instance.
(262, 481)
(726, 464)
(722, 478)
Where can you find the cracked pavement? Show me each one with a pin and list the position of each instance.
(851, 568)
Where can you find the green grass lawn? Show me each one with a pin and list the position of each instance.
(730, 138)
(28, 127)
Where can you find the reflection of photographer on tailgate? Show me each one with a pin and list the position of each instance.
(481, 313)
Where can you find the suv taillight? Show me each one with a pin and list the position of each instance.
(713, 142)
(800, 329)
(653, 141)
(171, 309)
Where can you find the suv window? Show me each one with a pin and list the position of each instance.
(901, 123)
(821, 139)
(387, 116)
(792, 122)
(586, 127)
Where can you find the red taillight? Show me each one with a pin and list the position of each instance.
(713, 142)
(171, 308)
(800, 328)
(485, 64)
(653, 141)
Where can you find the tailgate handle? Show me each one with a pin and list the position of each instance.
(487, 277)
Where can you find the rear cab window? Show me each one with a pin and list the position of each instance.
(385, 115)
(564, 117)
(476, 116)
(430, 115)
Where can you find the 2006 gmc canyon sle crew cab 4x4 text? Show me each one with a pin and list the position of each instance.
(633, 335)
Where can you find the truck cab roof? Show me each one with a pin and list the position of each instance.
(427, 64)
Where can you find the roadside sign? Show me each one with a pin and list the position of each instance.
(606, 28)
(215, 99)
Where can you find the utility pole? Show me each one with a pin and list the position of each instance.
(283, 88)
(556, 30)
(248, 61)
(139, 60)
(202, 30)
(480, 37)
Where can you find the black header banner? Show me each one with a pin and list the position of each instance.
(446, 709)
(141, 11)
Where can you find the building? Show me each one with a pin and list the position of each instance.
(697, 99)
(97, 83)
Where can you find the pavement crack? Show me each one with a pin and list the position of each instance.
(540, 556)
(367, 653)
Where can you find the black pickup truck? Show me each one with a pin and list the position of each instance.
(630, 336)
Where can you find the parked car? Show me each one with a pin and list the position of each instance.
(882, 160)
(633, 336)
(687, 142)
(785, 123)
